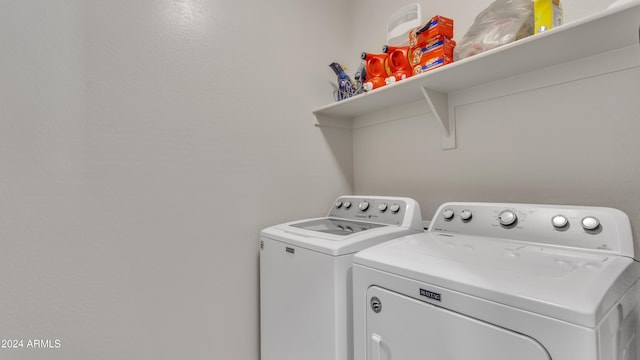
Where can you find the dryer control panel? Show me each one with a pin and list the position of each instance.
(594, 228)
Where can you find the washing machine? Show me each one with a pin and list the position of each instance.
(494, 281)
(305, 275)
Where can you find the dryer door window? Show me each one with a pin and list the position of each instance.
(402, 328)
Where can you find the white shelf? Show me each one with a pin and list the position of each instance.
(612, 29)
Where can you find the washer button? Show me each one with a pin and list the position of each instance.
(395, 208)
(447, 214)
(559, 221)
(507, 218)
(590, 223)
(382, 207)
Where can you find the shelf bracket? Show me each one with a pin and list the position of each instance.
(439, 104)
(334, 122)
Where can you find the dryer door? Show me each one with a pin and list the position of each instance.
(408, 329)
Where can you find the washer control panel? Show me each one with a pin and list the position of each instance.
(378, 209)
(594, 228)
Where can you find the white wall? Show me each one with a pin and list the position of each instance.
(567, 136)
(143, 145)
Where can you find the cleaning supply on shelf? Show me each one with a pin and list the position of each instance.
(547, 14)
(502, 22)
(399, 65)
(346, 86)
(432, 44)
(438, 46)
(438, 25)
(431, 64)
(377, 69)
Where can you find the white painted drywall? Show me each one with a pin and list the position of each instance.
(143, 145)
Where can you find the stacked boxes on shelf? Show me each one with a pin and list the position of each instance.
(432, 44)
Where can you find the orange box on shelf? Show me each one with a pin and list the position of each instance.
(431, 64)
(436, 47)
(438, 25)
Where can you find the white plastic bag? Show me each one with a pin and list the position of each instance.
(502, 22)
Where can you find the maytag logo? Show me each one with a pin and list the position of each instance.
(431, 295)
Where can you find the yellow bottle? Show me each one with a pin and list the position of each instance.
(547, 14)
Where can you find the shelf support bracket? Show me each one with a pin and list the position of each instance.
(439, 104)
(325, 121)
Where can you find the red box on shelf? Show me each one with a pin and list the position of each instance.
(438, 46)
(438, 25)
(431, 64)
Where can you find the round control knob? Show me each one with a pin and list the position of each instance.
(447, 214)
(382, 207)
(395, 208)
(363, 206)
(338, 204)
(590, 223)
(559, 221)
(466, 215)
(507, 218)
(347, 204)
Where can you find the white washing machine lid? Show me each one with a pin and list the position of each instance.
(340, 227)
(578, 287)
(334, 236)
(353, 223)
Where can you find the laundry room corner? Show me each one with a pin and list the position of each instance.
(148, 149)
(548, 135)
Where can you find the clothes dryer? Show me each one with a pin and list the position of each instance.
(305, 275)
(501, 282)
